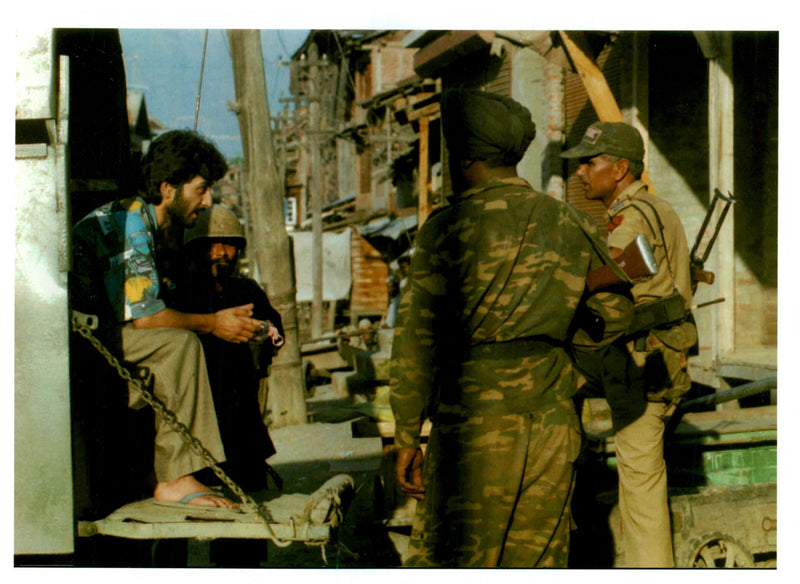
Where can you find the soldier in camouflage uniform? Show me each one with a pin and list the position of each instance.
(496, 281)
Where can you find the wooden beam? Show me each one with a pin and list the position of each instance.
(603, 100)
(449, 48)
(429, 111)
(721, 176)
(593, 79)
(424, 203)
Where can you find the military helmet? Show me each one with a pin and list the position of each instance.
(216, 222)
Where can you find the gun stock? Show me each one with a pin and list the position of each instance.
(636, 260)
(701, 275)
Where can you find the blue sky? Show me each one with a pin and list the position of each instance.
(166, 65)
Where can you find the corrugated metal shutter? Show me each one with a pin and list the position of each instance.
(369, 295)
(500, 83)
(579, 113)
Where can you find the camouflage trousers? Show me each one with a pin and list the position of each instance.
(498, 491)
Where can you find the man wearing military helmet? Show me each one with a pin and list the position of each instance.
(495, 283)
(647, 373)
(213, 246)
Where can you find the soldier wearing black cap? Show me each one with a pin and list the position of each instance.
(496, 279)
(647, 375)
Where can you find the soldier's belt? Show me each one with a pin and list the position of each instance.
(657, 314)
(513, 349)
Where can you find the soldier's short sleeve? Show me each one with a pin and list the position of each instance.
(627, 225)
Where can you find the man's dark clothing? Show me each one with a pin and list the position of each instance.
(235, 372)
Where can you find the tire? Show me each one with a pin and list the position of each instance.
(718, 550)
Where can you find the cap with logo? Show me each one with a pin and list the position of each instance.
(613, 138)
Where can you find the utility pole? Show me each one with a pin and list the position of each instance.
(315, 184)
(271, 244)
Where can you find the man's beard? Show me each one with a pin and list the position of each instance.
(221, 270)
(179, 210)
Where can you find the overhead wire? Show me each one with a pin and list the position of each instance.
(200, 86)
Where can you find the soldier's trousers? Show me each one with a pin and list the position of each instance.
(643, 499)
(625, 377)
(176, 359)
(498, 491)
(639, 445)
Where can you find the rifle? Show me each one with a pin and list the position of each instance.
(699, 274)
(636, 260)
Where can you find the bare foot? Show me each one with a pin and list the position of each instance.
(176, 490)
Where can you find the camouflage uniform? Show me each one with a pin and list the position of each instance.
(496, 280)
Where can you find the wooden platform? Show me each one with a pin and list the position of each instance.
(294, 517)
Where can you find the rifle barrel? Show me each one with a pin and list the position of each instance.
(709, 303)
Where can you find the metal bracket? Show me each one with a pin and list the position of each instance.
(79, 319)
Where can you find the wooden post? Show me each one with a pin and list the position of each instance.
(424, 206)
(720, 135)
(604, 102)
(270, 243)
(315, 188)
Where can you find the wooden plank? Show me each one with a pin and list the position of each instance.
(292, 517)
(449, 48)
(149, 520)
(424, 202)
(428, 111)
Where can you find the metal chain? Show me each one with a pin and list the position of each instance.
(81, 326)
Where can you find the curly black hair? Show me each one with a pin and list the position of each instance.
(178, 156)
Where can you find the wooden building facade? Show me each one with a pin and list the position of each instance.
(705, 103)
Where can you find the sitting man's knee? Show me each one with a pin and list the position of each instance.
(185, 340)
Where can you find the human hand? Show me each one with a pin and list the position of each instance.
(235, 325)
(408, 472)
(274, 334)
(267, 330)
